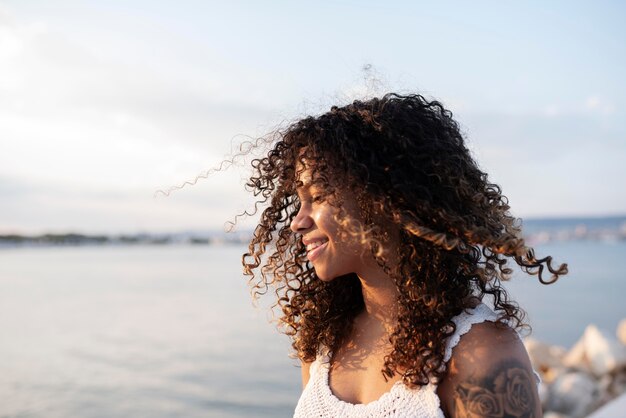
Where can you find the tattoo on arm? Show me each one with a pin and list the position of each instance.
(508, 390)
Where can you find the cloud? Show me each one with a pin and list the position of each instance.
(91, 118)
(597, 104)
(592, 105)
(33, 208)
(86, 139)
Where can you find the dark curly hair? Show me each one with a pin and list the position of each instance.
(406, 164)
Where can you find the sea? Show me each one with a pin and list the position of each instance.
(171, 331)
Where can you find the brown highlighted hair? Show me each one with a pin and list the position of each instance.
(407, 166)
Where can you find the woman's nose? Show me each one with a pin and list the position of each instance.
(302, 221)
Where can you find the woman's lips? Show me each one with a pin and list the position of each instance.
(315, 252)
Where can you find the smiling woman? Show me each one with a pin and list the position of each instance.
(389, 245)
(321, 225)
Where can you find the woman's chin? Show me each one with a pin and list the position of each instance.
(324, 275)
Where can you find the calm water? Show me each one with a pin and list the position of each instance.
(170, 331)
(137, 332)
(592, 292)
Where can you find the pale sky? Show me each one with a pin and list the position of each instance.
(103, 103)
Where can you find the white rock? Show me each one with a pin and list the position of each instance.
(576, 357)
(621, 331)
(573, 394)
(544, 356)
(596, 351)
(605, 353)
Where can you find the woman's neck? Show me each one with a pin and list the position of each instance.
(380, 296)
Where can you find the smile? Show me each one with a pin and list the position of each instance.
(315, 248)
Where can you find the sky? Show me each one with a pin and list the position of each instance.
(104, 103)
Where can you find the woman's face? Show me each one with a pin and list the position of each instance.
(331, 253)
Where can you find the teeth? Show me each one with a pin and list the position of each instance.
(315, 244)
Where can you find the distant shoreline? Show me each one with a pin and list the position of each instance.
(536, 231)
(73, 239)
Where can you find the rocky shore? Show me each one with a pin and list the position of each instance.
(578, 381)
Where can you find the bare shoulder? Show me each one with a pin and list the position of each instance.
(306, 372)
(490, 374)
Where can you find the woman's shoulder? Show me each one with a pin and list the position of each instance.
(489, 372)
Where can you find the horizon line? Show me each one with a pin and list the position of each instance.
(245, 229)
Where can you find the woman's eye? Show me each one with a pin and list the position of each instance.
(317, 198)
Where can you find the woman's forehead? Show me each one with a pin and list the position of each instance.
(315, 172)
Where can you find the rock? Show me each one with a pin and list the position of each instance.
(544, 356)
(552, 374)
(614, 409)
(605, 353)
(605, 384)
(573, 394)
(597, 352)
(621, 331)
(552, 414)
(618, 386)
(576, 357)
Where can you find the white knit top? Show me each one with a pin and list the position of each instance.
(317, 400)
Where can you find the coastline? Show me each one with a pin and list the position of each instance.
(536, 232)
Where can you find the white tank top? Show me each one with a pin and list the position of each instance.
(317, 400)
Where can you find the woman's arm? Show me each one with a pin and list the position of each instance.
(306, 367)
(490, 375)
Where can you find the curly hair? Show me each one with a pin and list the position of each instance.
(405, 161)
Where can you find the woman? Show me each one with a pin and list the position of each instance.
(382, 239)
